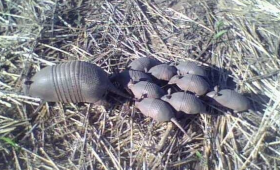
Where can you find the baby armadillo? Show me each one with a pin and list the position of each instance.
(189, 67)
(230, 99)
(191, 83)
(124, 77)
(185, 102)
(163, 72)
(158, 110)
(74, 81)
(143, 63)
(146, 89)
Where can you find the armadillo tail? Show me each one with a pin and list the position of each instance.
(113, 89)
(165, 135)
(178, 125)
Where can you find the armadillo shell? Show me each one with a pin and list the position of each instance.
(150, 89)
(156, 109)
(124, 77)
(189, 67)
(143, 63)
(194, 84)
(163, 72)
(186, 103)
(74, 81)
(230, 99)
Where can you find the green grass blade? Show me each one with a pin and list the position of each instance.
(220, 34)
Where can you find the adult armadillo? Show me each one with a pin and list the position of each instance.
(189, 67)
(124, 77)
(159, 110)
(230, 99)
(185, 102)
(191, 83)
(143, 63)
(74, 81)
(149, 89)
(163, 72)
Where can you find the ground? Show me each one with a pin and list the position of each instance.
(236, 41)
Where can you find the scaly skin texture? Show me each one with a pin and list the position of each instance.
(146, 89)
(124, 77)
(163, 72)
(189, 67)
(143, 63)
(191, 83)
(74, 81)
(159, 110)
(156, 109)
(230, 99)
(185, 102)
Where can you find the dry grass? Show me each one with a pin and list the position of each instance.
(237, 40)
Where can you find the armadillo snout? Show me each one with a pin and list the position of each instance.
(174, 79)
(211, 94)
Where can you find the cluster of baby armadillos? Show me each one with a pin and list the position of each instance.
(144, 74)
(78, 81)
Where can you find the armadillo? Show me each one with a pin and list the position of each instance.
(159, 110)
(189, 67)
(185, 102)
(150, 90)
(163, 72)
(230, 99)
(74, 81)
(191, 83)
(143, 63)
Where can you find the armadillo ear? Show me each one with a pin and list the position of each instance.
(216, 89)
(169, 91)
(144, 95)
(130, 83)
(145, 70)
(179, 74)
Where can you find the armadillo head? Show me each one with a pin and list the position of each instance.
(214, 93)
(165, 98)
(211, 94)
(174, 79)
(130, 84)
(168, 96)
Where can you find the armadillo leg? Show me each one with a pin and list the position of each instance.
(26, 78)
(179, 126)
(113, 89)
(164, 137)
(26, 86)
(42, 103)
